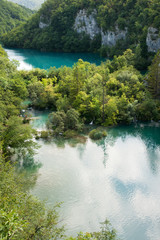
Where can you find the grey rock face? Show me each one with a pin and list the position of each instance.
(111, 37)
(86, 24)
(153, 40)
(44, 23)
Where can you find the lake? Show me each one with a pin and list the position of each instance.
(29, 58)
(115, 178)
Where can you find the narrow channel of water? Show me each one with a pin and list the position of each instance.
(116, 178)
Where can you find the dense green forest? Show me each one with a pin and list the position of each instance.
(110, 94)
(58, 33)
(11, 15)
(32, 4)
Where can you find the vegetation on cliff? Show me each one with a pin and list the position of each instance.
(11, 15)
(52, 27)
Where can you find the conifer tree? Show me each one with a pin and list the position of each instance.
(154, 77)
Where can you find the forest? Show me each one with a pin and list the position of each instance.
(110, 94)
(11, 15)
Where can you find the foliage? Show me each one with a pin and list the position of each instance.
(21, 215)
(70, 133)
(11, 15)
(153, 78)
(60, 122)
(44, 134)
(148, 110)
(15, 137)
(42, 92)
(106, 233)
(97, 134)
(59, 35)
(110, 94)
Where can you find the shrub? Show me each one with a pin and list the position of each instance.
(70, 134)
(97, 134)
(44, 134)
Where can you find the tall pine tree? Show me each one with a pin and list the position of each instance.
(154, 76)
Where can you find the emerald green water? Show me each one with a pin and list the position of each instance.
(29, 58)
(116, 178)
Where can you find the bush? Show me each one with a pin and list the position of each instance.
(97, 134)
(44, 134)
(70, 134)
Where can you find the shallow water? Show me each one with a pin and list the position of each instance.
(29, 58)
(115, 178)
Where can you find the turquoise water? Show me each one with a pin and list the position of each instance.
(116, 178)
(40, 122)
(29, 58)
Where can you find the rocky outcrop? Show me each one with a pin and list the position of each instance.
(110, 38)
(43, 23)
(153, 40)
(87, 23)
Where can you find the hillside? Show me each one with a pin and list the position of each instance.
(79, 25)
(32, 4)
(11, 15)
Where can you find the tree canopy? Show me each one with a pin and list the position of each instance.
(59, 34)
(11, 15)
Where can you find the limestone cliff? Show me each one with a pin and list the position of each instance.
(87, 23)
(153, 40)
(110, 38)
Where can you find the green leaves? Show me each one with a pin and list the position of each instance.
(106, 233)
(22, 216)
(153, 78)
(10, 224)
(60, 121)
(12, 15)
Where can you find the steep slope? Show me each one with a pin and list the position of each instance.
(87, 25)
(32, 4)
(11, 15)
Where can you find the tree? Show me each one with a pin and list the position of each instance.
(72, 120)
(17, 138)
(153, 78)
(104, 73)
(56, 122)
(22, 216)
(106, 233)
(60, 121)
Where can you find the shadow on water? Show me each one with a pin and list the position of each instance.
(61, 142)
(28, 168)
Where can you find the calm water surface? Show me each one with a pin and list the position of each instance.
(116, 178)
(29, 58)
